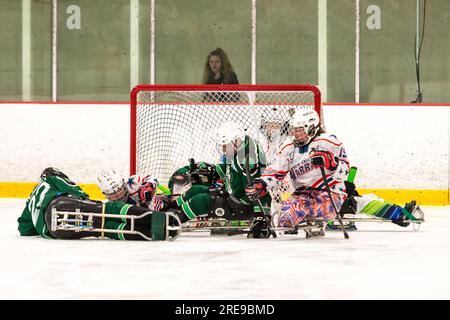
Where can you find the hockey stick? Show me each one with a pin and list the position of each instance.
(327, 187)
(349, 184)
(166, 191)
(249, 181)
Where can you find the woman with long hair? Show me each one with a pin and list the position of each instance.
(218, 69)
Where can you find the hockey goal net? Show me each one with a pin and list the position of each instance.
(173, 123)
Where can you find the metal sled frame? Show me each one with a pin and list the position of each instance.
(312, 228)
(207, 224)
(415, 223)
(80, 225)
(351, 217)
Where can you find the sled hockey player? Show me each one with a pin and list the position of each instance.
(309, 150)
(59, 209)
(136, 190)
(302, 156)
(222, 194)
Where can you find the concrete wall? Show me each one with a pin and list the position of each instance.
(94, 60)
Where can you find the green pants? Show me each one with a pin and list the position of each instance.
(197, 201)
(117, 208)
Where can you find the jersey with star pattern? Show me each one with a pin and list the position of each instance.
(296, 161)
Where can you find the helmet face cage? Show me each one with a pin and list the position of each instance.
(181, 182)
(271, 129)
(120, 195)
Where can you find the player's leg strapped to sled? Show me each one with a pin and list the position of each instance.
(226, 214)
(69, 217)
(376, 208)
(307, 208)
(215, 209)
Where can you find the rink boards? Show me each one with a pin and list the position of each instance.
(401, 151)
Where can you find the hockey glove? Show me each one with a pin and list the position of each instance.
(324, 159)
(146, 193)
(162, 203)
(259, 228)
(203, 173)
(256, 190)
(53, 172)
(351, 189)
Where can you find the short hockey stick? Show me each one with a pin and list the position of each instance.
(249, 181)
(338, 216)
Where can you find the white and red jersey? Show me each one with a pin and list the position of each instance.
(296, 161)
(141, 190)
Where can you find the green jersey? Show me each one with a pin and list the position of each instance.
(32, 220)
(233, 173)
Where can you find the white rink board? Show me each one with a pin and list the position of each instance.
(404, 147)
(78, 139)
(379, 261)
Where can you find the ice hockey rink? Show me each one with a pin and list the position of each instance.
(379, 261)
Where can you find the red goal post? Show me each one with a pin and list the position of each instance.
(172, 123)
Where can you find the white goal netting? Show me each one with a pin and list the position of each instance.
(171, 124)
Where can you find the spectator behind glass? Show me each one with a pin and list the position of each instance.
(218, 70)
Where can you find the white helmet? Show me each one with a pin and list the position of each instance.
(229, 133)
(309, 121)
(112, 185)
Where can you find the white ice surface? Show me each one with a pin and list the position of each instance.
(379, 261)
